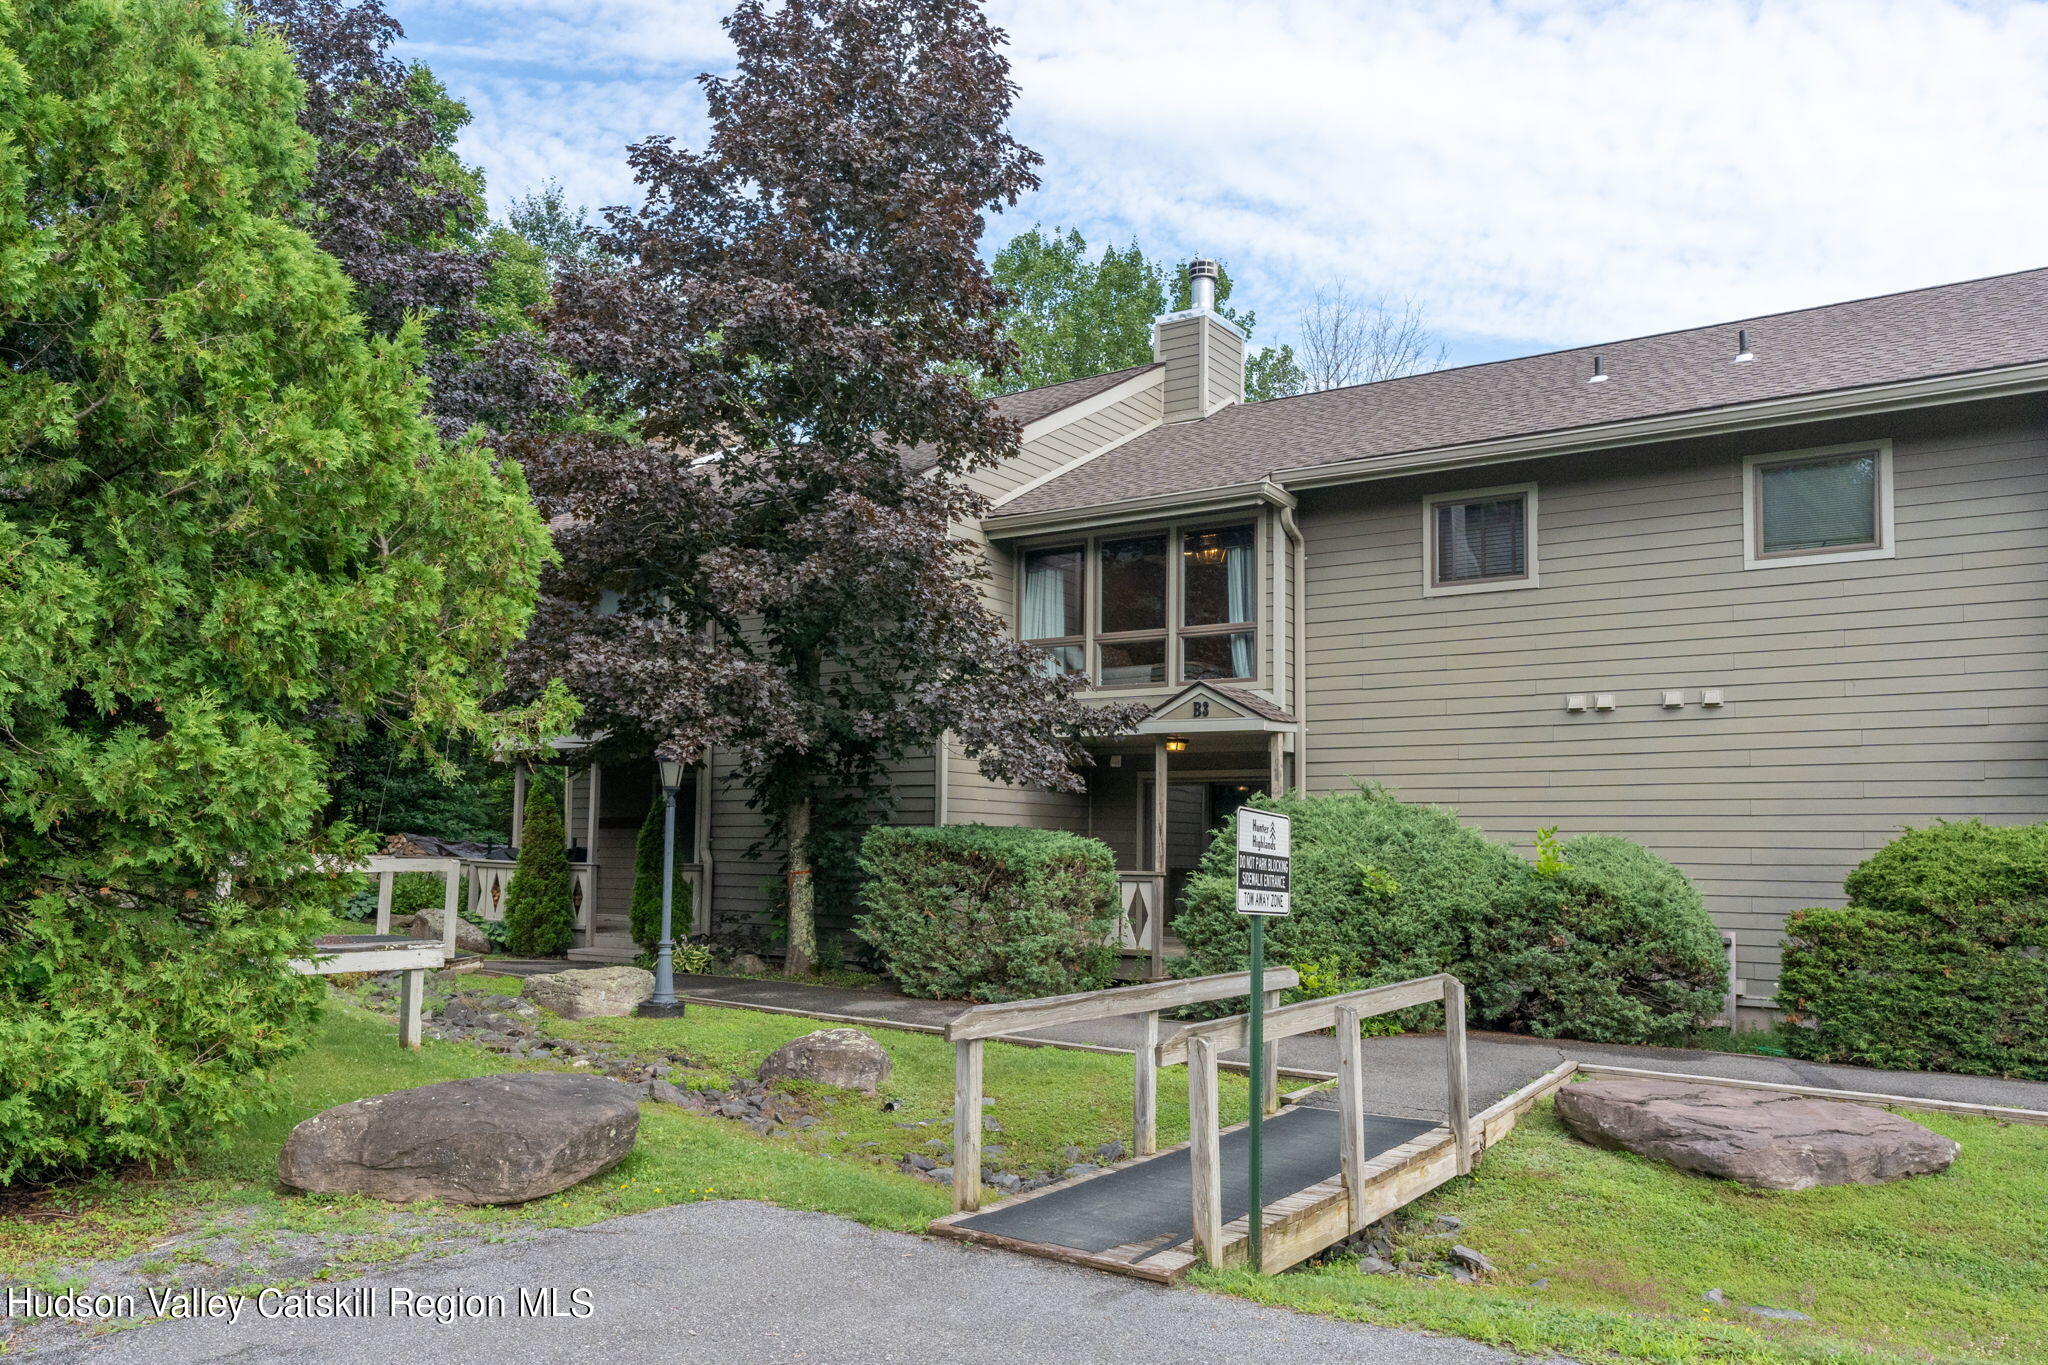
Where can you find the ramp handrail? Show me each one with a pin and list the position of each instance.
(1200, 1044)
(973, 1026)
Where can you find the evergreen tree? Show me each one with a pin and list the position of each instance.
(646, 907)
(540, 909)
(228, 533)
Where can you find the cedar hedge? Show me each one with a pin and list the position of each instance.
(1963, 990)
(1939, 962)
(981, 912)
(1613, 945)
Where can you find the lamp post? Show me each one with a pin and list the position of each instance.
(663, 1003)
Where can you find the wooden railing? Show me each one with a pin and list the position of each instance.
(1141, 928)
(974, 1026)
(450, 869)
(1198, 1045)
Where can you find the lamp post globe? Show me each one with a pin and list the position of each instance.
(663, 1003)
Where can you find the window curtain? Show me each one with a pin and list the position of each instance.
(1240, 569)
(1819, 506)
(1045, 601)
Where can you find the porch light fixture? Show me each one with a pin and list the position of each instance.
(663, 1003)
(1176, 745)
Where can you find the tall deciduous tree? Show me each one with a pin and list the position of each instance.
(1347, 339)
(226, 529)
(788, 314)
(1073, 314)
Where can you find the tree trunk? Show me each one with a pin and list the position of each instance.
(803, 928)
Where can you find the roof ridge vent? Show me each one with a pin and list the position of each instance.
(1741, 347)
(1599, 376)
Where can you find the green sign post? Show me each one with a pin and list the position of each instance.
(1264, 845)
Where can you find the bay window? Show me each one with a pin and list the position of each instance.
(1152, 609)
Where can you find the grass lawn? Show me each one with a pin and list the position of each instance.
(1945, 1267)
(1045, 1099)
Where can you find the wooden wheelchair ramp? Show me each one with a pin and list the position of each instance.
(1137, 1217)
(1327, 1171)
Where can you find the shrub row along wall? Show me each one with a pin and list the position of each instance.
(1602, 940)
(1940, 961)
(981, 912)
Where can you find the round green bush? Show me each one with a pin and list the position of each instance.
(1964, 990)
(1612, 945)
(1383, 890)
(125, 1032)
(1946, 866)
(982, 912)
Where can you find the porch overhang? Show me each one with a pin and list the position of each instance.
(1212, 708)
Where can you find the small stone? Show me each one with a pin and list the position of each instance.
(1110, 1151)
(1463, 1276)
(1446, 1222)
(1082, 1168)
(1714, 1296)
(1004, 1181)
(1471, 1260)
(590, 993)
(1776, 1314)
(918, 1161)
(1373, 1265)
(989, 1124)
(1071, 1153)
(940, 1175)
(1543, 1283)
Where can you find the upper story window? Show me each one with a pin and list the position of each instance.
(1813, 505)
(1131, 630)
(1167, 606)
(1050, 616)
(1219, 604)
(1479, 541)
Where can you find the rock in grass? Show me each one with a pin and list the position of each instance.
(591, 992)
(486, 1140)
(1761, 1138)
(1471, 1260)
(844, 1057)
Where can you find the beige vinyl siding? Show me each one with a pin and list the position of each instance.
(1226, 368)
(1861, 696)
(1177, 346)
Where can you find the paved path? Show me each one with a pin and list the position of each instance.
(735, 1283)
(1407, 1072)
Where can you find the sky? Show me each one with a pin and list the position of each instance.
(1532, 174)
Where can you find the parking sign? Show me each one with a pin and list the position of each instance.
(1264, 845)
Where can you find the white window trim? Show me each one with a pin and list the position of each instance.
(1752, 530)
(1530, 579)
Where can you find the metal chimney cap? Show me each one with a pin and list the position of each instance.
(1202, 268)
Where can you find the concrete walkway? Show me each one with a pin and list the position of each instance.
(737, 1283)
(1407, 1071)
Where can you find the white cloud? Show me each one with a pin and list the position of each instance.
(1533, 173)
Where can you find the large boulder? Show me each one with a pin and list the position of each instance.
(844, 1057)
(468, 938)
(489, 1140)
(591, 992)
(1761, 1138)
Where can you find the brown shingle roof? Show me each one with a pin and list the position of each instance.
(1950, 329)
(1028, 405)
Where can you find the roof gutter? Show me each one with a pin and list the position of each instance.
(1134, 509)
(1836, 403)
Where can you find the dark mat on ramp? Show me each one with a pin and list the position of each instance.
(1149, 1201)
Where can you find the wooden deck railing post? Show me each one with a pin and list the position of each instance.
(412, 988)
(1145, 1088)
(1205, 1151)
(451, 898)
(1269, 1087)
(1351, 1110)
(966, 1125)
(1454, 1046)
(384, 902)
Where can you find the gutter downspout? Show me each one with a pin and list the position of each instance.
(1297, 676)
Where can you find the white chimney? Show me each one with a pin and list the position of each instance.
(1202, 350)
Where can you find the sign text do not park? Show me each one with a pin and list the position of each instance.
(1264, 845)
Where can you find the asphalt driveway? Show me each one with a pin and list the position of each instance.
(733, 1283)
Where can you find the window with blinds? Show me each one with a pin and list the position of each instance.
(1479, 540)
(1807, 506)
